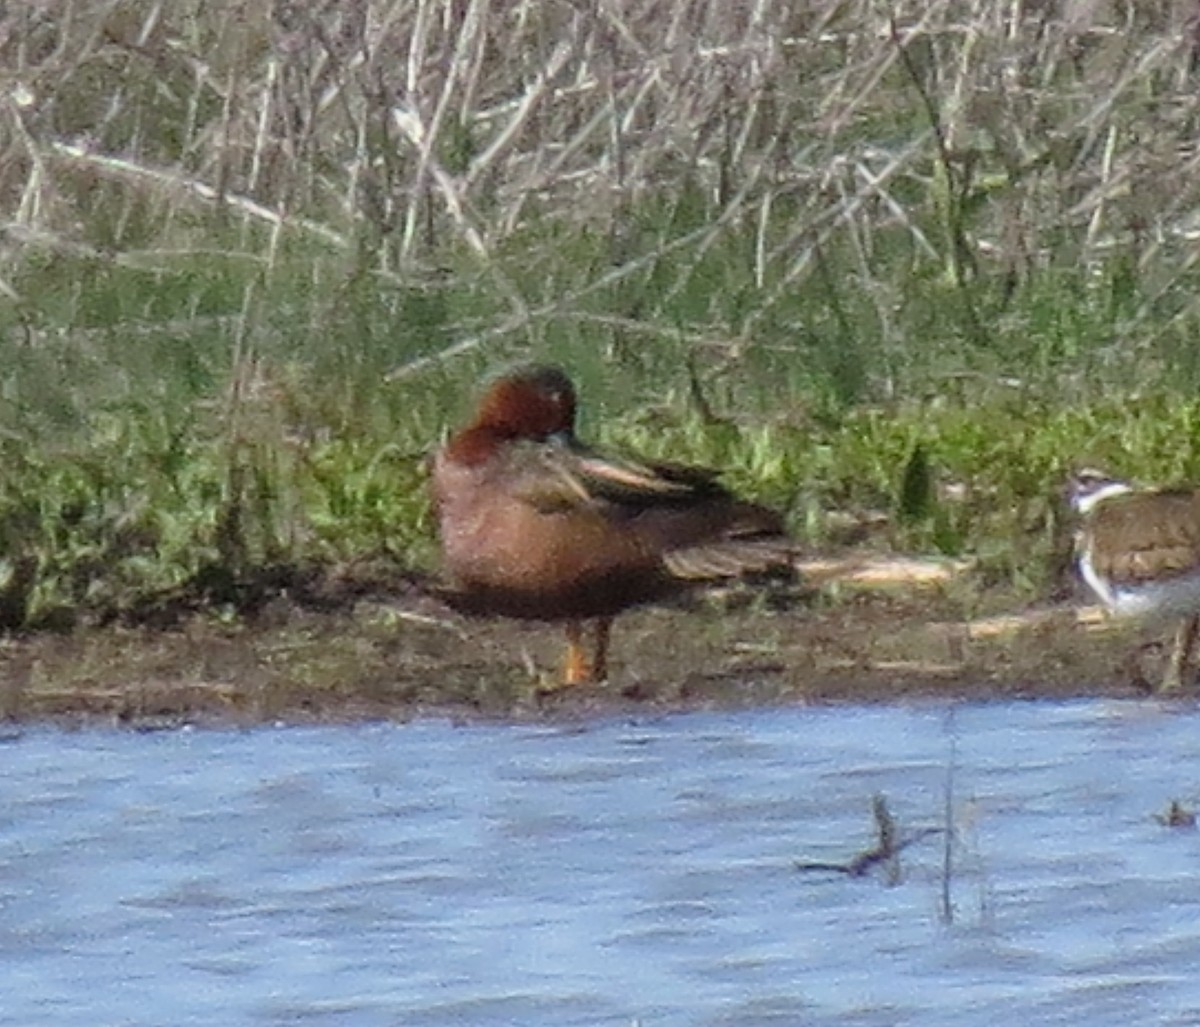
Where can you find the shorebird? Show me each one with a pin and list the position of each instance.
(1138, 550)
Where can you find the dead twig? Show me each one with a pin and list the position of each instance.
(885, 851)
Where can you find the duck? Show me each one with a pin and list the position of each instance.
(536, 525)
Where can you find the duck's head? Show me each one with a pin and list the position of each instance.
(530, 402)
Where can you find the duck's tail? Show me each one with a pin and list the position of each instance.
(772, 556)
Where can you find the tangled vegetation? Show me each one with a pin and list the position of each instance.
(918, 258)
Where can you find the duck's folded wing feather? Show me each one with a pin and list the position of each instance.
(557, 474)
(700, 529)
(732, 558)
(536, 474)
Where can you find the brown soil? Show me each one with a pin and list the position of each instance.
(355, 653)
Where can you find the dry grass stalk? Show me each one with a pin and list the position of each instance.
(421, 125)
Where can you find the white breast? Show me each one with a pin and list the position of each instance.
(1173, 597)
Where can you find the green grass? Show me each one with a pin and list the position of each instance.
(146, 450)
(154, 428)
(240, 305)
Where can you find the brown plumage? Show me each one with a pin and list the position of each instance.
(1146, 536)
(534, 524)
(1139, 552)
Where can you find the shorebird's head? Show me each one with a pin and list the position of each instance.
(1087, 488)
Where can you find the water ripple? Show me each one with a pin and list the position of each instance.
(616, 873)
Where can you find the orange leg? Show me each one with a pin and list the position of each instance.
(576, 670)
(603, 631)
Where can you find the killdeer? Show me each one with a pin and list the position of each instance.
(1139, 552)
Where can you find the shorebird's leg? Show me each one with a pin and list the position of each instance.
(1181, 654)
(600, 666)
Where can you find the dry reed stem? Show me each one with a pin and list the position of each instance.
(426, 124)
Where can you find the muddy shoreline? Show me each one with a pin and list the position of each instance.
(363, 655)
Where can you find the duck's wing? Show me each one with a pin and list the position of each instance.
(643, 482)
(560, 474)
(701, 530)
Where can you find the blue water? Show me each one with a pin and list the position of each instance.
(613, 873)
